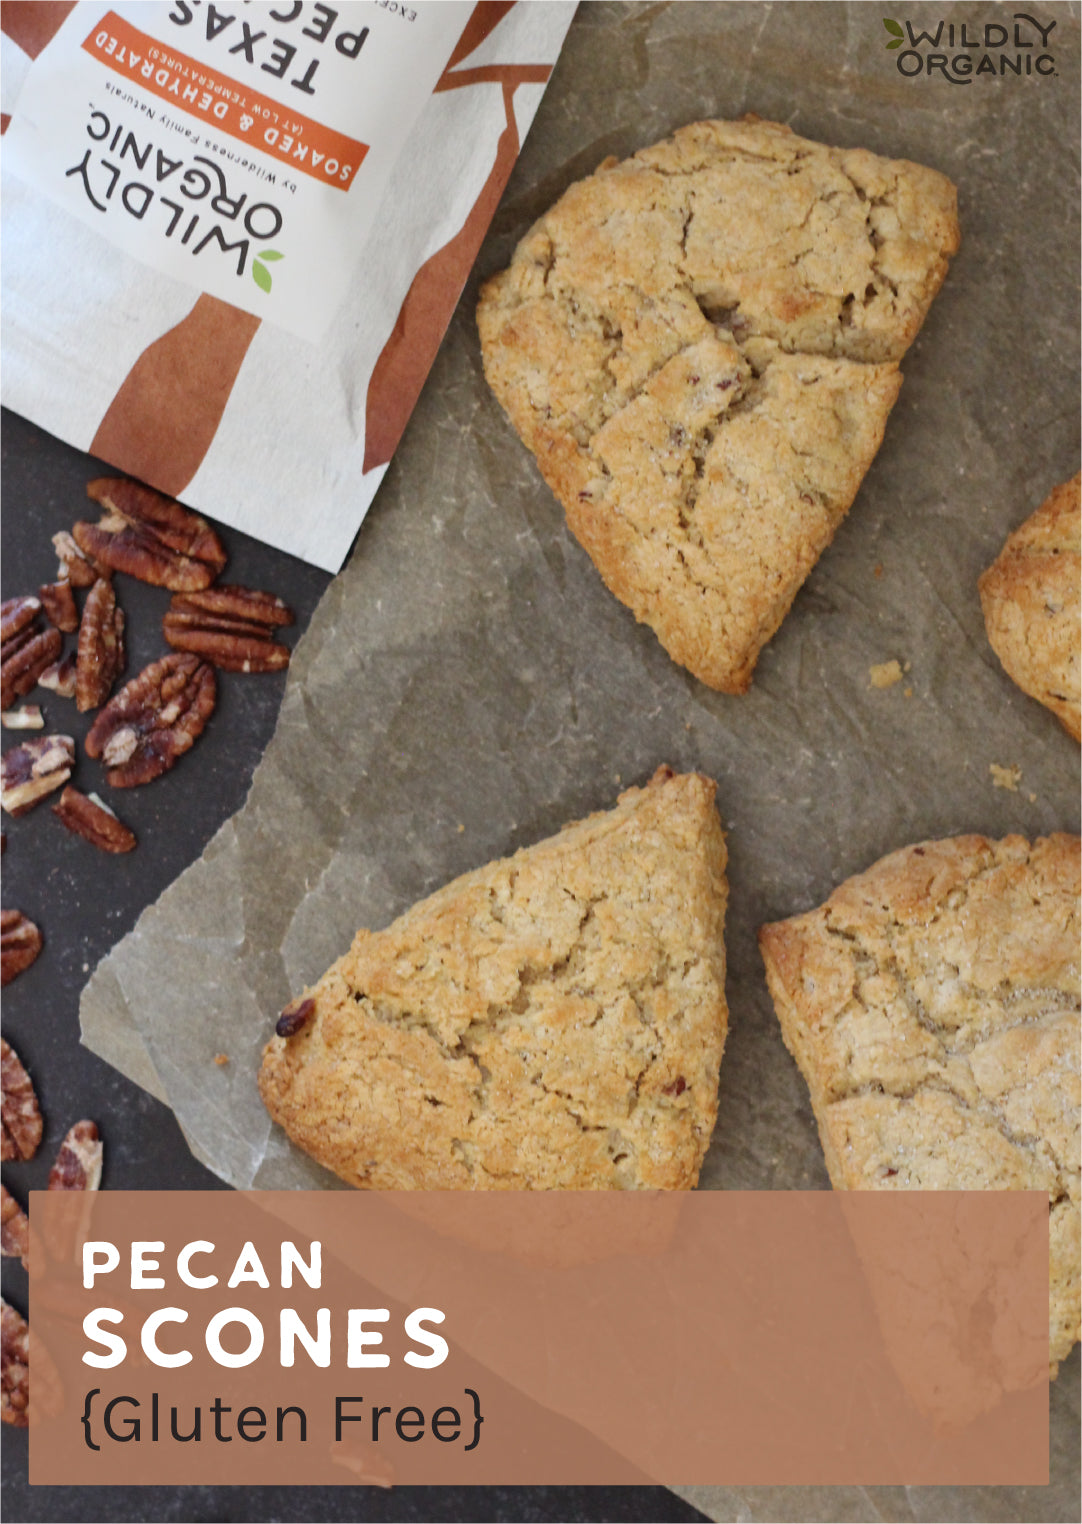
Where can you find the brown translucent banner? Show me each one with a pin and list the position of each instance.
(744, 1338)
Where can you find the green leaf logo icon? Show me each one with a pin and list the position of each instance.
(896, 33)
(260, 274)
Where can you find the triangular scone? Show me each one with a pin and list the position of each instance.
(1032, 600)
(553, 1020)
(700, 346)
(932, 1004)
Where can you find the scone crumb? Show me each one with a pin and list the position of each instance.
(907, 693)
(1005, 777)
(877, 569)
(885, 674)
(221, 1059)
(461, 829)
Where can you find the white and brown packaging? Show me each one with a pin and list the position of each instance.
(234, 234)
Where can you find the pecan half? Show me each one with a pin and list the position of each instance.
(78, 1164)
(20, 943)
(16, 614)
(58, 601)
(76, 567)
(20, 1116)
(150, 536)
(93, 820)
(33, 769)
(60, 677)
(14, 1228)
(295, 1016)
(229, 626)
(23, 658)
(29, 717)
(14, 1367)
(101, 647)
(153, 719)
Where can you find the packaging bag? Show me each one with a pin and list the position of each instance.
(234, 234)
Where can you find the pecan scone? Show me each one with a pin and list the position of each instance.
(932, 1004)
(1032, 601)
(555, 1019)
(700, 345)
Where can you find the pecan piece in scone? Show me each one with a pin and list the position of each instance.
(153, 720)
(14, 1367)
(16, 614)
(23, 658)
(33, 769)
(78, 1164)
(150, 536)
(94, 821)
(101, 647)
(20, 943)
(76, 567)
(20, 1116)
(229, 626)
(14, 1228)
(58, 601)
(60, 677)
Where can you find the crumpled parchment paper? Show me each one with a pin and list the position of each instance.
(467, 684)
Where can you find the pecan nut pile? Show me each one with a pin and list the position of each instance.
(20, 943)
(14, 1228)
(94, 821)
(20, 1116)
(153, 720)
(33, 769)
(150, 536)
(14, 1367)
(78, 1164)
(100, 658)
(229, 626)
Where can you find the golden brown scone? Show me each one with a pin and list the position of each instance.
(1032, 601)
(700, 346)
(932, 1004)
(555, 1019)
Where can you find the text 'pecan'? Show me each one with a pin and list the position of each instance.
(78, 1164)
(229, 626)
(33, 769)
(153, 720)
(20, 1116)
(93, 821)
(20, 943)
(150, 536)
(14, 1367)
(101, 647)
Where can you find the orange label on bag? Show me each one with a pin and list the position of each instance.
(305, 145)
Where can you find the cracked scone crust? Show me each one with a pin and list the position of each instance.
(1032, 601)
(553, 1020)
(700, 347)
(932, 1004)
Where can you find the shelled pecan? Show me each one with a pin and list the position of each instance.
(101, 647)
(14, 1228)
(76, 567)
(16, 614)
(229, 626)
(24, 656)
(20, 1116)
(94, 821)
(58, 601)
(78, 1164)
(33, 769)
(28, 717)
(20, 943)
(153, 720)
(60, 677)
(14, 1367)
(150, 536)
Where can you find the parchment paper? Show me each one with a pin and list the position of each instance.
(468, 685)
